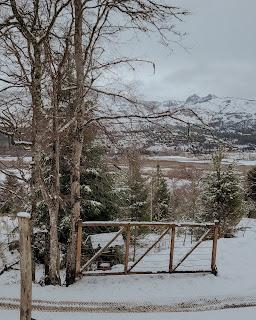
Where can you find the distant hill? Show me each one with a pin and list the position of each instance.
(233, 119)
(211, 108)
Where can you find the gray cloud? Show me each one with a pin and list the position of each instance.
(220, 55)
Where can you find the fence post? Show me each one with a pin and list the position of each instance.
(25, 266)
(172, 248)
(214, 246)
(127, 247)
(79, 247)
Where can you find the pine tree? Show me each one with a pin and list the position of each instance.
(251, 180)
(137, 193)
(98, 195)
(251, 190)
(13, 196)
(222, 196)
(160, 196)
(98, 192)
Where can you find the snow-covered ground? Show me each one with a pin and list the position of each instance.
(237, 160)
(13, 158)
(235, 282)
(232, 314)
(25, 174)
(236, 262)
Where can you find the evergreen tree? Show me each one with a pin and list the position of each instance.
(137, 195)
(13, 196)
(222, 196)
(98, 194)
(251, 190)
(98, 188)
(160, 196)
(251, 180)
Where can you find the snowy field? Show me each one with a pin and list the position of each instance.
(237, 159)
(235, 283)
(232, 314)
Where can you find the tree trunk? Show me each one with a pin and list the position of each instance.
(46, 258)
(51, 197)
(33, 213)
(54, 274)
(54, 205)
(78, 139)
(75, 206)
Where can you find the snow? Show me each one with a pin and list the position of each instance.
(15, 173)
(177, 158)
(7, 226)
(12, 158)
(24, 215)
(228, 105)
(94, 203)
(87, 188)
(212, 107)
(247, 223)
(8, 234)
(236, 282)
(92, 171)
(2, 177)
(177, 183)
(245, 162)
(231, 314)
(236, 265)
(182, 159)
(102, 239)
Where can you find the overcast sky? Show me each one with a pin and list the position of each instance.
(220, 56)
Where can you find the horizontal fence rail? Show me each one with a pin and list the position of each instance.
(144, 223)
(141, 247)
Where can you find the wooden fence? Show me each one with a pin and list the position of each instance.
(145, 247)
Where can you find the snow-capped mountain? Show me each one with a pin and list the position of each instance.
(232, 119)
(212, 108)
(229, 110)
(211, 105)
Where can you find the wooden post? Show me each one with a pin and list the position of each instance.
(214, 246)
(79, 247)
(151, 199)
(172, 248)
(127, 246)
(25, 266)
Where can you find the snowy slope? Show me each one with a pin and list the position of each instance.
(212, 103)
(228, 110)
(215, 105)
(231, 119)
(222, 112)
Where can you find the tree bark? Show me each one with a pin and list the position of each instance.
(78, 139)
(54, 274)
(37, 151)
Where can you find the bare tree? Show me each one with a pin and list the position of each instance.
(26, 32)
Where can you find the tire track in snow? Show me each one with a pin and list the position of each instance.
(202, 304)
